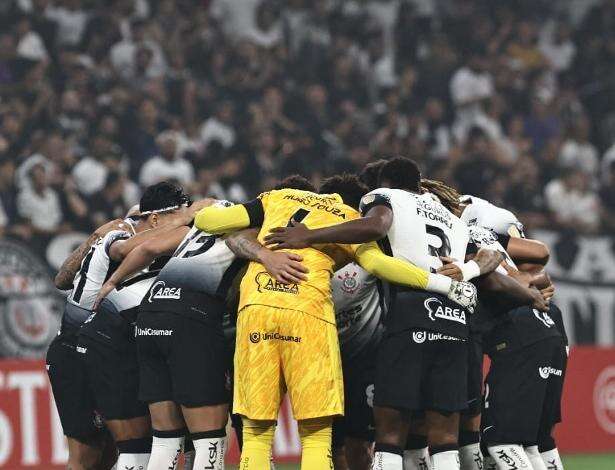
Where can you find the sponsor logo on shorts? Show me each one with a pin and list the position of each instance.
(369, 395)
(435, 309)
(604, 399)
(267, 283)
(99, 422)
(349, 282)
(257, 337)
(507, 460)
(544, 318)
(546, 371)
(422, 336)
(153, 332)
(160, 291)
(81, 349)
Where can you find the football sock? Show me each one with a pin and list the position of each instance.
(552, 459)
(387, 457)
(416, 455)
(508, 455)
(257, 442)
(134, 453)
(188, 453)
(535, 458)
(166, 447)
(470, 456)
(210, 447)
(315, 437)
(445, 457)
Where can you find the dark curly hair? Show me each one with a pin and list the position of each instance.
(296, 182)
(163, 195)
(401, 173)
(347, 185)
(371, 173)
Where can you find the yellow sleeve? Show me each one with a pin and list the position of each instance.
(394, 270)
(218, 220)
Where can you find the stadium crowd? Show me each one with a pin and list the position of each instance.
(510, 100)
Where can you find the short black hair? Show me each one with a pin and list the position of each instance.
(296, 182)
(162, 195)
(348, 186)
(371, 172)
(401, 173)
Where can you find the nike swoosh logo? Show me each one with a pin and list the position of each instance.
(488, 427)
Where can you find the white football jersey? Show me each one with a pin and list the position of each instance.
(423, 229)
(359, 307)
(96, 268)
(484, 214)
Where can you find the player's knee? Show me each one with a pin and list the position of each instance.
(84, 455)
(391, 427)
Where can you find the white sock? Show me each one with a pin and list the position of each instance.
(387, 461)
(470, 457)
(448, 460)
(417, 459)
(209, 453)
(552, 459)
(189, 460)
(534, 456)
(165, 453)
(132, 461)
(510, 456)
(489, 463)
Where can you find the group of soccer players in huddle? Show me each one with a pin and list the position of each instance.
(370, 302)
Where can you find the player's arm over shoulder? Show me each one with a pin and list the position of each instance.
(218, 219)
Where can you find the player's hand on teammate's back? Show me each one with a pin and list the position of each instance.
(539, 301)
(295, 236)
(450, 269)
(104, 291)
(284, 267)
(463, 293)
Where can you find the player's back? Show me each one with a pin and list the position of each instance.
(314, 295)
(422, 230)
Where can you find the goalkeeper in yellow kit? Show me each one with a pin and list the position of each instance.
(286, 333)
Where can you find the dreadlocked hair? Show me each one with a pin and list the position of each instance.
(449, 197)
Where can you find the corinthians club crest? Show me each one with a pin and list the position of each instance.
(30, 306)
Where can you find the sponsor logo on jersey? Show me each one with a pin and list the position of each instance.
(544, 318)
(257, 337)
(435, 309)
(266, 282)
(160, 291)
(482, 236)
(153, 332)
(349, 282)
(604, 399)
(434, 211)
(546, 371)
(81, 350)
(422, 336)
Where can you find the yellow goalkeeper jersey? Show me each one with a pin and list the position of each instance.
(314, 295)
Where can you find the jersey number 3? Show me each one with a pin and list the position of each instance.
(438, 243)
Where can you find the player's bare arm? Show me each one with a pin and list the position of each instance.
(121, 248)
(524, 250)
(142, 256)
(485, 261)
(373, 226)
(282, 266)
(511, 291)
(67, 272)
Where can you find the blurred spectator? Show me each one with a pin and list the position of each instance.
(168, 165)
(38, 204)
(100, 97)
(573, 204)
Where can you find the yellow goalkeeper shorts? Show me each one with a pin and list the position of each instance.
(279, 350)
